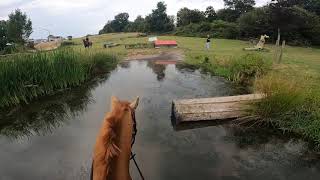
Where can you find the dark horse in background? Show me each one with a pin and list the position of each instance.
(87, 43)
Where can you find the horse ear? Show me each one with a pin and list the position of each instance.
(135, 103)
(114, 102)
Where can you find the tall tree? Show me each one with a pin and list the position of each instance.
(240, 6)
(120, 22)
(19, 27)
(158, 20)
(210, 14)
(313, 6)
(3, 34)
(186, 16)
(229, 15)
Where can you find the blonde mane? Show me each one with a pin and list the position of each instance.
(106, 148)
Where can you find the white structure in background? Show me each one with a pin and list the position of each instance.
(152, 39)
(54, 38)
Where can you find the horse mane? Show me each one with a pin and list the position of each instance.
(108, 135)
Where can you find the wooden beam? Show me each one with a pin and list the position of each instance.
(219, 108)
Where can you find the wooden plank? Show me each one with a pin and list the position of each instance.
(220, 99)
(219, 108)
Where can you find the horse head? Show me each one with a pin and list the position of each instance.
(113, 146)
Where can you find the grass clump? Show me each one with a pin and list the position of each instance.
(289, 105)
(24, 77)
(242, 70)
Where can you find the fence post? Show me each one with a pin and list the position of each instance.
(277, 49)
(281, 51)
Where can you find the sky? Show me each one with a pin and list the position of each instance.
(81, 17)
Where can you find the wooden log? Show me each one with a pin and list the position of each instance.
(211, 109)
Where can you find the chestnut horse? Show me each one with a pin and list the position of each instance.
(111, 157)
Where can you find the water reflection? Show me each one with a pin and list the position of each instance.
(46, 114)
(158, 69)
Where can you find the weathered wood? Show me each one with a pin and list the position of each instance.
(219, 108)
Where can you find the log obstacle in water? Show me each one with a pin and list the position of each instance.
(211, 109)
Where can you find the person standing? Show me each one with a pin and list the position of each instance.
(208, 42)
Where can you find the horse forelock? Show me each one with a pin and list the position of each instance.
(108, 136)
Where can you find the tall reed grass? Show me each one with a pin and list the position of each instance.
(290, 104)
(25, 77)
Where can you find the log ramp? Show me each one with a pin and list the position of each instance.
(212, 109)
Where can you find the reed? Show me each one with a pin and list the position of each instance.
(24, 77)
(290, 105)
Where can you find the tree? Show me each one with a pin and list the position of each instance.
(186, 16)
(312, 6)
(158, 20)
(256, 23)
(19, 27)
(228, 15)
(239, 6)
(107, 28)
(3, 34)
(210, 14)
(120, 22)
(140, 24)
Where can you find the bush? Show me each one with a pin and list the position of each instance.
(217, 29)
(68, 43)
(223, 29)
(245, 68)
(242, 70)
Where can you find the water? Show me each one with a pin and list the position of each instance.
(53, 138)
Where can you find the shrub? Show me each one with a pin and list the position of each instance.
(242, 70)
(68, 43)
(245, 68)
(219, 29)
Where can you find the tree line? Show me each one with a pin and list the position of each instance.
(298, 20)
(16, 29)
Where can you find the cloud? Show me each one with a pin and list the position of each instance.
(81, 17)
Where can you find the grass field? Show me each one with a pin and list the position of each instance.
(294, 58)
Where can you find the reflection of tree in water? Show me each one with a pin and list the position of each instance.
(158, 69)
(46, 114)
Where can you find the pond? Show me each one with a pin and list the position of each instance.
(53, 138)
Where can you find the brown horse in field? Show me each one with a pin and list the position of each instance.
(112, 151)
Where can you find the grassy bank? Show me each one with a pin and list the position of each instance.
(293, 105)
(25, 77)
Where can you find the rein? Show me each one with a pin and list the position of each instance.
(134, 133)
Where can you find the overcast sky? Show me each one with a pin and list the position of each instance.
(81, 17)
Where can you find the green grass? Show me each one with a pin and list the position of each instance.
(290, 105)
(24, 77)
